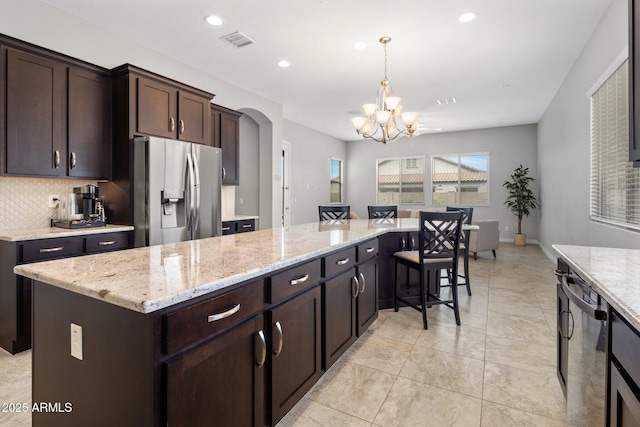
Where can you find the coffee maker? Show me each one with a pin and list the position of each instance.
(81, 209)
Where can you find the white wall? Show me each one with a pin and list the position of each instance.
(247, 193)
(507, 147)
(311, 153)
(564, 145)
(41, 24)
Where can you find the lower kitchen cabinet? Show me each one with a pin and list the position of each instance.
(623, 402)
(339, 297)
(367, 301)
(296, 350)
(221, 382)
(238, 226)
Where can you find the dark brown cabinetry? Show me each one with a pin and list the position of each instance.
(226, 135)
(56, 112)
(15, 291)
(238, 226)
(167, 111)
(623, 402)
(408, 281)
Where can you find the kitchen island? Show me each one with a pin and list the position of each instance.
(614, 274)
(128, 338)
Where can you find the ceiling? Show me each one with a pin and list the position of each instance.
(503, 68)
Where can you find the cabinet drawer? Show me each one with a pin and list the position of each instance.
(625, 346)
(106, 242)
(339, 261)
(228, 227)
(368, 249)
(294, 280)
(245, 225)
(192, 324)
(40, 250)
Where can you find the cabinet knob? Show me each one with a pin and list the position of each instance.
(73, 160)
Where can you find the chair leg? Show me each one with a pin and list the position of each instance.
(456, 310)
(475, 256)
(396, 305)
(423, 296)
(494, 253)
(466, 272)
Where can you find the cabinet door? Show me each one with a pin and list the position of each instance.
(157, 108)
(296, 354)
(624, 406)
(229, 141)
(408, 281)
(338, 316)
(35, 131)
(367, 302)
(215, 128)
(89, 124)
(220, 383)
(194, 114)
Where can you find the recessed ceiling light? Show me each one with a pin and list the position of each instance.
(467, 17)
(214, 20)
(359, 45)
(283, 64)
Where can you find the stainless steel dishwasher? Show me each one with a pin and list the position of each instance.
(582, 333)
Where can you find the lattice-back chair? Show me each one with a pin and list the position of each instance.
(383, 212)
(467, 216)
(328, 213)
(438, 249)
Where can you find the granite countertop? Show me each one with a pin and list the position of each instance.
(613, 272)
(239, 217)
(150, 278)
(52, 232)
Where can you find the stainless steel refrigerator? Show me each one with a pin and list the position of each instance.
(176, 189)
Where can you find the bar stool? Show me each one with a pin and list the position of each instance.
(438, 248)
(467, 214)
(328, 213)
(379, 212)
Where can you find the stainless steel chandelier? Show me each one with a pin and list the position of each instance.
(385, 120)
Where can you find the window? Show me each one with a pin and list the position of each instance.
(336, 180)
(460, 179)
(400, 181)
(615, 184)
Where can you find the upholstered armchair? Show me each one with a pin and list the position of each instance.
(485, 238)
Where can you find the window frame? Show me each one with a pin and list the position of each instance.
(341, 182)
(459, 190)
(401, 158)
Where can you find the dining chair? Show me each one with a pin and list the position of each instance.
(378, 212)
(328, 213)
(467, 215)
(438, 249)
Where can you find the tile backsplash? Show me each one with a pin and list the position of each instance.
(228, 203)
(23, 201)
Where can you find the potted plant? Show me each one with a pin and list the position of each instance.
(521, 200)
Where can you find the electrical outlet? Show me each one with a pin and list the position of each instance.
(76, 341)
(53, 201)
(506, 228)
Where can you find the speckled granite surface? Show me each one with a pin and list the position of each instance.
(151, 278)
(53, 232)
(614, 273)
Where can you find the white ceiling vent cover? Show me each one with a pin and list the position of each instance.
(237, 39)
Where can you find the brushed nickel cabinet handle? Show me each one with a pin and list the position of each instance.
(246, 225)
(224, 314)
(342, 261)
(224, 173)
(369, 250)
(403, 244)
(357, 286)
(107, 243)
(181, 126)
(47, 250)
(364, 283)
(278, 349)
(413, 243)
(73, 160)
(56, 160)
(262, 357)
(226, 228)
(172, 124)
(299, 280)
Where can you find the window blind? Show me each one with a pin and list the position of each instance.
(615, 184)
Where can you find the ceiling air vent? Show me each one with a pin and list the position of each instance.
(237, 39)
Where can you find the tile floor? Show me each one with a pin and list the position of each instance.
(497, 369)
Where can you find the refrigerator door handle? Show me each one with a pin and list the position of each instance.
(196, 186)
(190, 220)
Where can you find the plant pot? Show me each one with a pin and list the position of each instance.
(519, 239)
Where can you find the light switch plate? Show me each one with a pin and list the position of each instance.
(76, 341)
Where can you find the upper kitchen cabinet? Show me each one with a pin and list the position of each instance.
(162, 107)
(55, 114)
(225, 134)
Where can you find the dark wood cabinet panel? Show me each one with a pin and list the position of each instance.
(221, 382)
(157, 108)
(89, 124)
(408, 281)
(338, 316)
(35, 121)
(238, 226)
(296, 350)
(367, 302)
(623, 401)
(194, 117)
(226, 135)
